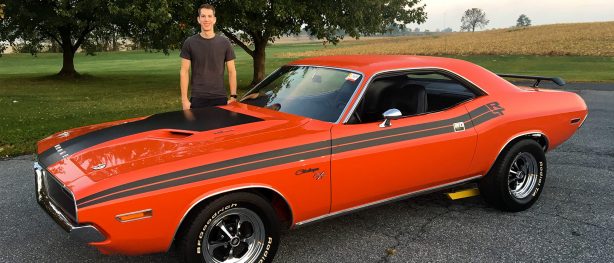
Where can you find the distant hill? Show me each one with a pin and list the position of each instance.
(578, 39)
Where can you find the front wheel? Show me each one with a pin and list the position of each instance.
(235, 228)
(517, 179)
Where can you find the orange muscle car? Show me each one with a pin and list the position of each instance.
(319, 137)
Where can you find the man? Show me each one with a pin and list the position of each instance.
(207, 54)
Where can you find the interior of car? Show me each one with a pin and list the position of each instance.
(412, 93)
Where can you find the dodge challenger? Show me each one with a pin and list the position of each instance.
(320, 137)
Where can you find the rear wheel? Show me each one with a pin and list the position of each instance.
(517, 179)
(239, 227)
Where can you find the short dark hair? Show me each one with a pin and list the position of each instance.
(206, 6)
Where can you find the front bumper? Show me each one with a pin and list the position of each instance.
(86, 233)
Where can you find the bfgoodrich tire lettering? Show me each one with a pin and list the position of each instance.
(517, 179)
(238, 227)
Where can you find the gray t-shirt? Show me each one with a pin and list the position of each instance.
(207, 58)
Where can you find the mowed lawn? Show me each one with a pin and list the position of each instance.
(115, 85)
(119, 85)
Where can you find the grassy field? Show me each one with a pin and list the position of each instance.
(119, 85)
(115, 85)
(579, 39)
(570, 68)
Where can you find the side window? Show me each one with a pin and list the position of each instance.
(415, 92)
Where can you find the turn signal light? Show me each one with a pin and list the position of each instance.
(132, 216)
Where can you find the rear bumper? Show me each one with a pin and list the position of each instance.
(85, 233)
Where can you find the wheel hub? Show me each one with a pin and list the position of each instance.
(234, 236)
(234, 242)
(522, 176)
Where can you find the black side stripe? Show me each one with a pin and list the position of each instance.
(484, 118)
(401, 130)
(406, 136)
(392, 139)
(481, 114)
(406, 129)
(209, 167)
(275, 153)
(210, 175)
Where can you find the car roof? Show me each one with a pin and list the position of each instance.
(374, 63)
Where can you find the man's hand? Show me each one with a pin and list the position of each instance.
(231, 100)
(185, 103)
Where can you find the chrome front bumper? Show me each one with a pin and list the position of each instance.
(86, 233)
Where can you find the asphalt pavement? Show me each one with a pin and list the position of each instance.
(573, 220)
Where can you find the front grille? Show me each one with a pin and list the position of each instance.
(60, 196)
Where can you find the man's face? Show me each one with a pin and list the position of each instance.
(206, 19)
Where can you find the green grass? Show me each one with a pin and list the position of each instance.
(119, 85)
(570, 68)
(115, 85)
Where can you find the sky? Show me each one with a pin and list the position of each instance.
(503, 13)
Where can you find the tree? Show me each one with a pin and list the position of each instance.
(66, 22)
(473, 18)
(163, 24)
(71, 23)
(251, 24)
(523, 21)
(2, 47)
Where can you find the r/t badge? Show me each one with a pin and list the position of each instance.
(319, 175)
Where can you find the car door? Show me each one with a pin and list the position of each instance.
(370, 163)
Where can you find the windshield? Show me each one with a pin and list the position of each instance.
(314, 92)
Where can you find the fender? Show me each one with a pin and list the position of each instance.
(217, 192)
(532, 133)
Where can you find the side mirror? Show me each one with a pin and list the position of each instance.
(391, 114)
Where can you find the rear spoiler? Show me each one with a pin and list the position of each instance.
(557, 80)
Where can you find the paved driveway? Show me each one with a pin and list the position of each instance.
(572, 221)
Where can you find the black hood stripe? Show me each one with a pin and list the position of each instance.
(287, 155)
(209, 175)
(199, 120)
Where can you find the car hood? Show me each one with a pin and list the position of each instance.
(106, 150)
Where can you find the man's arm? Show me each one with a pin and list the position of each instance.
(184, 79)
(232, 79)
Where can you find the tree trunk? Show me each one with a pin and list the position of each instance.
(68, 52)
(68, 64)
(259, 59)
(114, 39)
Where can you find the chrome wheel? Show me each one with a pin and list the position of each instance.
(522, 175)
(236, 235)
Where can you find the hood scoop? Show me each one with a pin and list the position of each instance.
(176, 134)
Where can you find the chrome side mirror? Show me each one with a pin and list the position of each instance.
(391, 114)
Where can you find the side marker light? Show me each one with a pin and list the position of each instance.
(132, 216)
